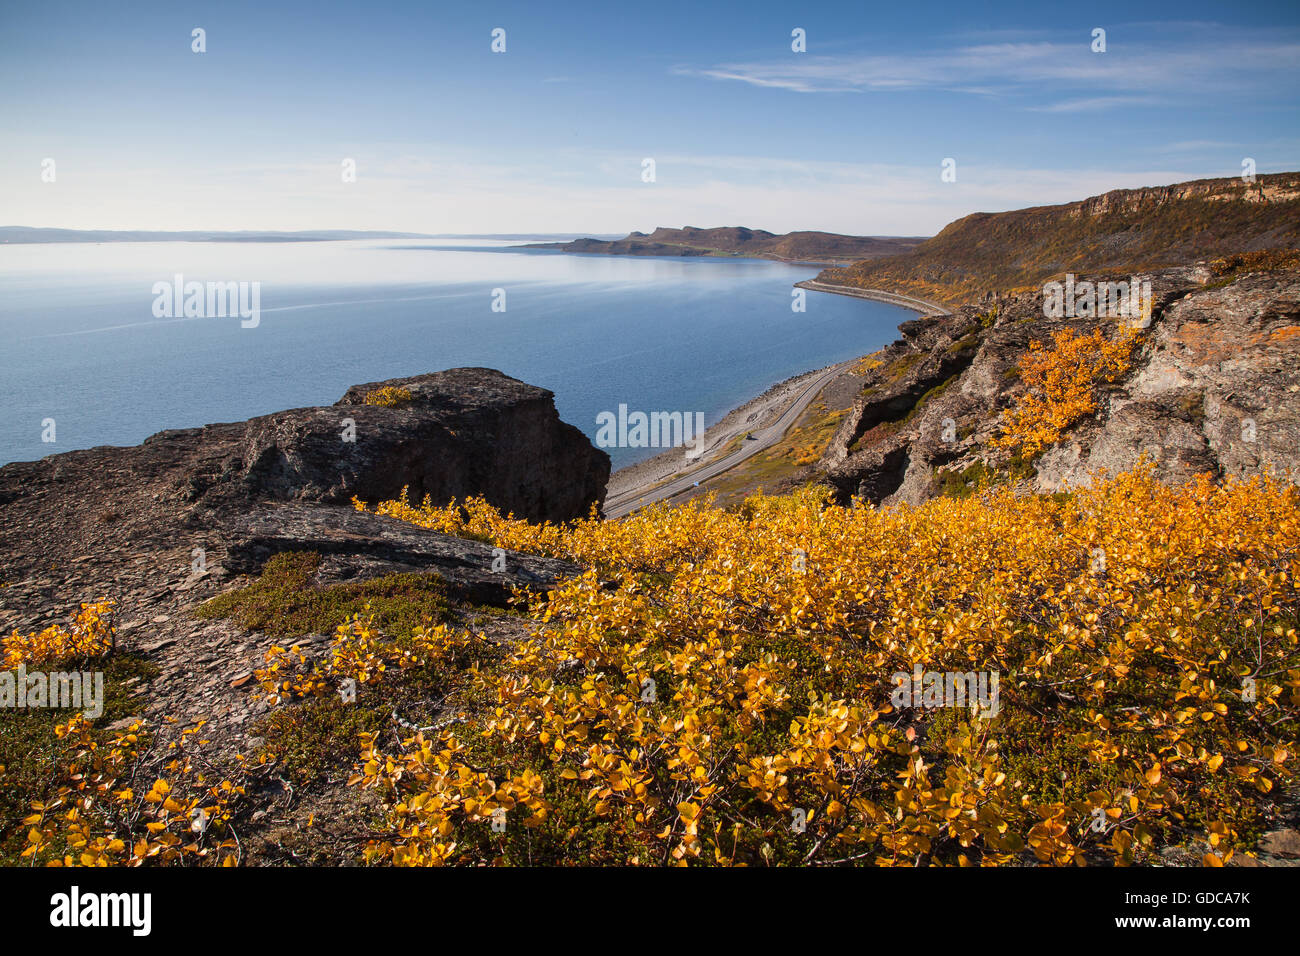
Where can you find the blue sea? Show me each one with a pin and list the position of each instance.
(80, 342)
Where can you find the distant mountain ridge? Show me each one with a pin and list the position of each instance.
(741, 241)
(1121, 230)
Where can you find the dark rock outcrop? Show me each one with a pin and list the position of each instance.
(463, 432)
(870, 455)
(164, 526)
(467, 431)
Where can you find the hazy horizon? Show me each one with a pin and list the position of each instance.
(385, 233)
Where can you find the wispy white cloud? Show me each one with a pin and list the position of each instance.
(1189, 145)
(1091, 103)
(1212, 59)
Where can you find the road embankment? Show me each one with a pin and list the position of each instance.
(877, 295)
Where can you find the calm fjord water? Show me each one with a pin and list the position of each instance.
(81, 344)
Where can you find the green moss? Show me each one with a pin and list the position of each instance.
(967, 343)
(929, 396)
(284, 602)
(964, 483)
(900, 367)
(1021, 468)
(311, 739)
(977, 476)
(887, 427)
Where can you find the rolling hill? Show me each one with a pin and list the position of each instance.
(1122, 230)
(739, 241)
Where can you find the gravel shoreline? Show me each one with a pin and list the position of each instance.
(754, 414)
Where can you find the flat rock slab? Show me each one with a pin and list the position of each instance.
(356, 545)
(1284, 843)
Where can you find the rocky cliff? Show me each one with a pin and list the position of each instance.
(1213, 387)
(74, 522)
(450, 434)
(1124, 229)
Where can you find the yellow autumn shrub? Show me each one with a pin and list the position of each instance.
(390, 396)
(360, 652)
(92, 809)
(103, 814)
(718, 687)
(1062, 384)
(90, 635)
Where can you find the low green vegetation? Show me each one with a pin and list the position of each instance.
(962, 484)
(884, 429)
(284, 602)
(977, 476)
(311, 739)
(900, 367)
(968, 343)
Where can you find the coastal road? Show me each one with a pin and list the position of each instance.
(877, 295)
(763, 438)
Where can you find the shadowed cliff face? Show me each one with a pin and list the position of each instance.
(1213, 387)
(467, 431)
(462, 432)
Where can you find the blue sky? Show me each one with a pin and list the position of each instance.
(550, 136)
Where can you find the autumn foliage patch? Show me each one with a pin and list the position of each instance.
(716, 689)
(1063, 384)
(702, 695)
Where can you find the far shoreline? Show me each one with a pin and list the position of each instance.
(798, 247)
(922, 306)
(555, 249)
